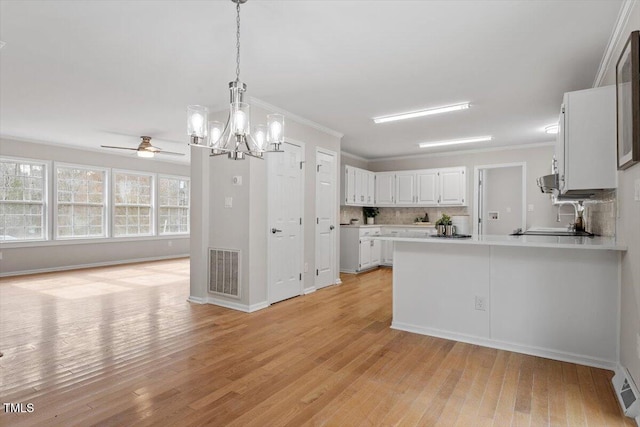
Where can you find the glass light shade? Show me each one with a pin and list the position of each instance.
(145, 154)
(275, 123)
(197, 121)
(240, 113)
(260, 137)
(215, 132)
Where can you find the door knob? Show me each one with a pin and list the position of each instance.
(275, 230)
(331, 227)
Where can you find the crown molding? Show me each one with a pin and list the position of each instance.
(353, 156)
(296, 118)
(614, 39)
(470, 151)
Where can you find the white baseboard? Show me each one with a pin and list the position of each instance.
(500, 345)
(308, 291)
(238, 306)
(91, 265)
(196, 300)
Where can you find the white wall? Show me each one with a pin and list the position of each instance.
(537, 159)
(57, 255)
(628, 230)
(244, 226)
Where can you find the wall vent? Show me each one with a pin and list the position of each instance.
(627, 393)
(224, 272)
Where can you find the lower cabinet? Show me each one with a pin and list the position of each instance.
(358, 252)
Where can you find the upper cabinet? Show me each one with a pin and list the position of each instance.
(357, 187)
(427, 187)
(453, 186)
(385, 188)
(405, 188)
(585, 146)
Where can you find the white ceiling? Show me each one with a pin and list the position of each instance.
(104, 72)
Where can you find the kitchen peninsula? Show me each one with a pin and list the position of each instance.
(555, 297)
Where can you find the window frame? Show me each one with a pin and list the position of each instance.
(46, 206)
(106, 201)
(152, 203)
(159, 206)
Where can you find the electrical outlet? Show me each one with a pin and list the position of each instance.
(306, 267)
(636, 190)
(0, 255)
(530, 208)
(397, 214)
(170, 243)
(481, 303)
(228, 202)
(638, 345)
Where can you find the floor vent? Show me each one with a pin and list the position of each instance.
(627, 393)
(224, 272)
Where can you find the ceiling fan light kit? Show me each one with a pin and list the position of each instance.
(235, 137)
(145, 149)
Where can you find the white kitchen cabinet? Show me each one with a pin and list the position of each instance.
(405, 188)
(427, 183)
(586, 134)
(358, 252)
(357, 187)
(385, 188)
(453, 186)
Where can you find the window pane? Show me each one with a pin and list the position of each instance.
(133, 204)
(81, 194)
(22, 201)
(173, 197)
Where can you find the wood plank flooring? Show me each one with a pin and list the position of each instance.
(121, 346)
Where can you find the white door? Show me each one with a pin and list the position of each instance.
(405, 188)
(427, 187)
(325, 218)
(285, 243)
(385, 188)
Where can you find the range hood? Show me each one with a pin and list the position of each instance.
(550, 184)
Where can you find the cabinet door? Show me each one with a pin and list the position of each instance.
(361, 184)
(371, 189)
(427, 187)
(405, 188)
(365, 254)
(376, 252)
(452, 186)
(350, 185)
(559, 150)
(385, 189)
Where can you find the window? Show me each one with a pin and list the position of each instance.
(132, 204)
(173, 197)
(81, 202)
(22, 200)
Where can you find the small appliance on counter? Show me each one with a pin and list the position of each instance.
(462, 223)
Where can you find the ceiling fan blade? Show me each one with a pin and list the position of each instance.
(169, 152)
(119, 148)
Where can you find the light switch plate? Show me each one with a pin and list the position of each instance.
(228, 202)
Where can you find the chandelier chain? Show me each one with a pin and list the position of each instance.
(238, 41)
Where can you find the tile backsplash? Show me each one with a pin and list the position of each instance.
(399, 215)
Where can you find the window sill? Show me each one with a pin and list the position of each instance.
(102, 240)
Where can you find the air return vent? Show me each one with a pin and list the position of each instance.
(224, 272)
(627, 393)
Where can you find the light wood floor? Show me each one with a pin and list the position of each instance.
(121, 346)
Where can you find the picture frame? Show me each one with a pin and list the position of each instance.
(628, 103)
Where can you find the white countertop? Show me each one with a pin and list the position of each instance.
(568, 242)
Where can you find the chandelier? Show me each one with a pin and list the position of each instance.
(235, 137)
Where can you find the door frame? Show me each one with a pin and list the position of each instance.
(268, 230)
(336, 201)
(477, 195)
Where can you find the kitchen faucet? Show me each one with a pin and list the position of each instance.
(578, 211)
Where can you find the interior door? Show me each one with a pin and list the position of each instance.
(325, 218)
(285, 244)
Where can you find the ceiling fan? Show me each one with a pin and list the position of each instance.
(145, 149)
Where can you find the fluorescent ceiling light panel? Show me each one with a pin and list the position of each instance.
(421, 113)
(455, 141)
